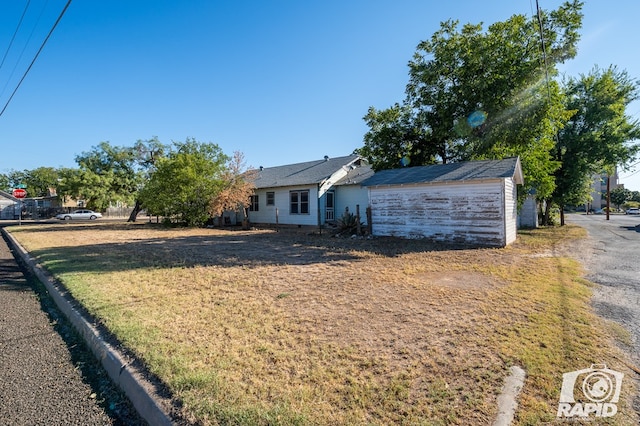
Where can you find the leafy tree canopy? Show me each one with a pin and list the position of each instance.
(37, 181)
(620, 195)
(476, 94)
(599, 135)
(185, 181)
(108, 174)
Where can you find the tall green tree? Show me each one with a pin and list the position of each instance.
(600, 134)
(86, 186)
(393, 139)
(481, 94)
(185, 181)
(147, 153)
(620, 195)
(41, 180)
(108, 174)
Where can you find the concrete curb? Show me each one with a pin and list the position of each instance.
(507, 403)
(127, 378)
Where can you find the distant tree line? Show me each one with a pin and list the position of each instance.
(184, 182)
(623, 197)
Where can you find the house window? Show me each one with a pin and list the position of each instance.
(271, 198)
(299, 202)
(253, 203)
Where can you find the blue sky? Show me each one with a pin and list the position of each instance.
(282, 81)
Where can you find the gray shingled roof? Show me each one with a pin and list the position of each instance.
(463, 171)
(310, 172)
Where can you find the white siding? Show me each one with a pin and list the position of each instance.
(529, 213)
(351, 196)
(452, 212)
(267, 214)
(510, 210)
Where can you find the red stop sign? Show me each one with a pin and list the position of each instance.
(19, 193)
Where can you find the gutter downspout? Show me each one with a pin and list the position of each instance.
(318, 201)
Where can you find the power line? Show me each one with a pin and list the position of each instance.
(632, 174)
(14, 34)
(24, 48)
(544, 50)
(35, 57)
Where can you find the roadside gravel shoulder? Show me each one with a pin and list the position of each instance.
(609, 257)
(125, 374)
(47, 376)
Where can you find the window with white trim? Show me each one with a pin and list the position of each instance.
(299, 202)
(271, 198)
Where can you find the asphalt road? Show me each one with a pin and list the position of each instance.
(612, 258)
(47, 376)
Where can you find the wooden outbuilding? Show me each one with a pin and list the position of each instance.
(472, 202)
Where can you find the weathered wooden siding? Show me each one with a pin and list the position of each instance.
(470, 213)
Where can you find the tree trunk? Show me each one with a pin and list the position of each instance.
(134, 213)
(547, 213)
(561, 215)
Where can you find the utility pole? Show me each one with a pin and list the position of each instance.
(608, 193)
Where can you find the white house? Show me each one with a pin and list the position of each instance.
(312, 193)
(471, 202)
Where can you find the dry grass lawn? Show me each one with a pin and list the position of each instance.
(258, 327)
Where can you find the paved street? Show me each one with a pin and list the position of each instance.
(46, 375)
(612, 257)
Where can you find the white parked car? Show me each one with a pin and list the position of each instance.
(633, 211)
(79, 215)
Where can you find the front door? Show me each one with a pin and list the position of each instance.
(329, 206)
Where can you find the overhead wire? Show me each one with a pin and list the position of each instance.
(36, 56)
(634, 173)
(15, 33)
(544, 50)
(24, 48)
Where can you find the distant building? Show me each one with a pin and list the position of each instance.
(599, 189)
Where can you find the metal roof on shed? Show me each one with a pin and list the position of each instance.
(451, 172)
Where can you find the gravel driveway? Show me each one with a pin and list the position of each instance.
(612, 258)
(46, 375)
